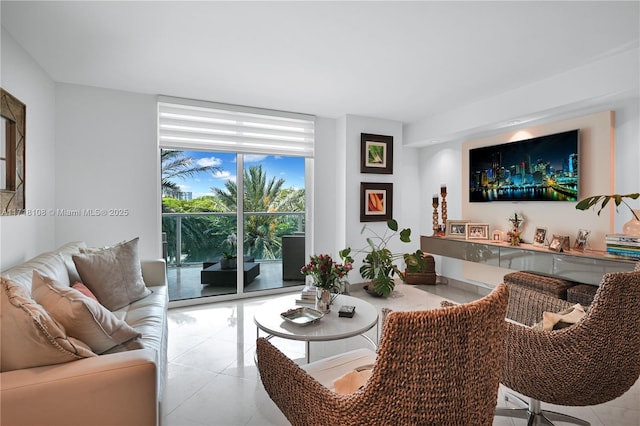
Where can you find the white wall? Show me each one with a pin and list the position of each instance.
(107, 158)
(22, 237)
(406, 187)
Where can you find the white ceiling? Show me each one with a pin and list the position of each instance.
(397, 60)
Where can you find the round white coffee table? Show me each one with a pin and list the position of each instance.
(331, 327)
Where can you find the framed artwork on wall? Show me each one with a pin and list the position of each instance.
(12, 154)
(376, 154)
(376, 202)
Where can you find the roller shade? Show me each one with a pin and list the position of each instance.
(188, 124)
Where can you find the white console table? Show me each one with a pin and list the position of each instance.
(585, 267)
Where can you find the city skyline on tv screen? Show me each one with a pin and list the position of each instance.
(544, 168)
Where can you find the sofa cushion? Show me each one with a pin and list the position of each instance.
(113, 274)
(84, 290)
(30, 336)
(81, 316)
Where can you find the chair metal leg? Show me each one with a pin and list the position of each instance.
(534, 414)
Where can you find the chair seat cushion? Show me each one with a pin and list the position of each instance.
(327, 370)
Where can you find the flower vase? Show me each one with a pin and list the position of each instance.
(323, 299)
(633, 226)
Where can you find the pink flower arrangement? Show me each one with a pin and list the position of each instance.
(325, 271)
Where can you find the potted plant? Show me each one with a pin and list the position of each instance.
(419, 268)
(378, 263)
(630, 228)
(229, 259)
(327, 276)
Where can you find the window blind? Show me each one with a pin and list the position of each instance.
(189, 124)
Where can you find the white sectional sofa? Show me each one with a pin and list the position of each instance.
(71, 384)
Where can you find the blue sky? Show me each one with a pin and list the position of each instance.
(291, 169)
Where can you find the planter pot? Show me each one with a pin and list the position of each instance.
(426, 278)
(371, 291)
(228, 263)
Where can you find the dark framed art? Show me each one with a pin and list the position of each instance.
(376, 202)
(376, 154)
(12, 154)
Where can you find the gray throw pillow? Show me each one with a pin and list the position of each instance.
(113, 274)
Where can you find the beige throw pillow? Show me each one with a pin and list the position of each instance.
(557, 320)
(30, 336)
(81, 316)
(113, 274)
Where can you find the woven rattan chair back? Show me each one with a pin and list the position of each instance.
(591, 362)
(437, 367)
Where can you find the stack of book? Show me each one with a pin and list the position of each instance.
(307, 297)
(623, 245)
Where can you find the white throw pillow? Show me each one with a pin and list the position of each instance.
(30, 336)
(81, 316)
(113, 274)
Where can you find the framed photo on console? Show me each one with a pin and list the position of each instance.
(559, 243)
(456, 229)
(581, 239)
(540, 237)
(376, 154)
(477, 231)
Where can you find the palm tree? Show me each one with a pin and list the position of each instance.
(261, 194)
(176, 165)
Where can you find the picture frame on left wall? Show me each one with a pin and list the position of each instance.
(376, 154)
(376, 202)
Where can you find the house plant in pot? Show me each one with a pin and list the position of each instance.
(327, 275)
(629, 228)
(229, 259)
(420, 268)
(378, 264)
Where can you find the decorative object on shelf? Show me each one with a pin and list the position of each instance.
(560, 243)
(582, 240)
(497, 236)
(376, 202)
(434, 204)
(540, 237)
(12, 155)
(630, 228)
(229, 259)
(443, 193)
(456, 229)
(378, 263)
(376, 154)
(477, 231)
(515, 234)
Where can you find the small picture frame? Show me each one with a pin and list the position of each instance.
(456, 229)
(540, 237)
(581, 239)
(559, 243)
(376, 202)
(376, 154)
(497, 236)
(477, 231)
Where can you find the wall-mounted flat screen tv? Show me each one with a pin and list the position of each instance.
(545, 168)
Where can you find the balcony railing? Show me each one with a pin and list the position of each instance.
(197, 237)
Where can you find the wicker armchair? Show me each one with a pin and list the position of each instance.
(588, 363)
(438, 367)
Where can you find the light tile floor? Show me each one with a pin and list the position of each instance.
(213, 379)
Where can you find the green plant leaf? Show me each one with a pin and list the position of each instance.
(393, 225)
(405, 235)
